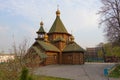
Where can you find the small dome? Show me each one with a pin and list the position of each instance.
(72, 38)
(41, 23)
(46, 36)
(58, 12)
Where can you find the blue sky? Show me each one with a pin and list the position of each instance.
(21, 18)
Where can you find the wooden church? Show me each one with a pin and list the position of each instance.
(55, 47)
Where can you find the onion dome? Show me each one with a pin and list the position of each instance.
(41, 30)
(46, 37)
(41, 23)
(58, 12)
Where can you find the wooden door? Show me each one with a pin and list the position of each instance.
(52, 59)
(76, 58)
(67, 59)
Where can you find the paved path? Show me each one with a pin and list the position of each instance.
(89, 71)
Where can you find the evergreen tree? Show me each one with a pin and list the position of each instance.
(24, 74)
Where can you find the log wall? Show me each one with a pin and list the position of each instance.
(73, 58)
(52, 58)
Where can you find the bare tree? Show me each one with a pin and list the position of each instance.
(19, 52)
(110, 18)
(22, 50)
(11, 70)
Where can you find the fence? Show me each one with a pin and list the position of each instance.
(94, 60)
(112, 59)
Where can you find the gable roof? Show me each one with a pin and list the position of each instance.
(40, 53)
(58, 26)
(73, 47)
(47, 46)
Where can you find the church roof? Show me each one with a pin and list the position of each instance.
(73, 47)
(41, 30)
(40, 53)
(48, 46)
(59, 39)
(58, 26)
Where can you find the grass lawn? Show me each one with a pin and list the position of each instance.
(116, 72)
(35, 77)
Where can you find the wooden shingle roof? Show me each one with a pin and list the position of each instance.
(73, 47)
(40, 53)
(41, 30)
(59, 39)
(58, 26)
(48, 46)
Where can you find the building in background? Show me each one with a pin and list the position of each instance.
(6, 57)
(92, 54)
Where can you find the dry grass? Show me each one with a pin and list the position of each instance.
(12, 71)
